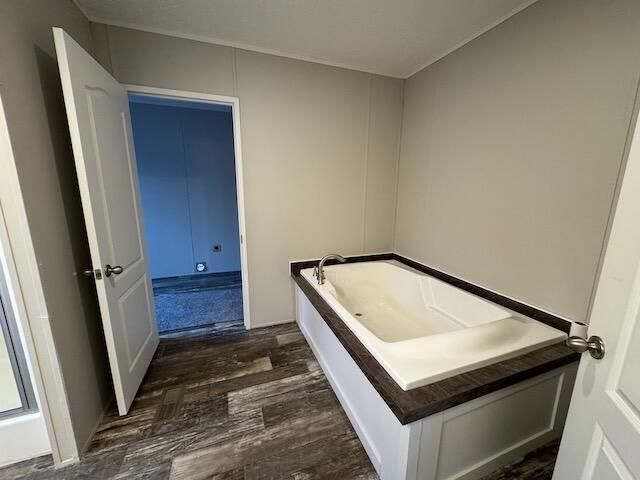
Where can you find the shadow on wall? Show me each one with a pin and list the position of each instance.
(67, 178)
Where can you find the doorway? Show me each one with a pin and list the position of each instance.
(104, 152)
(187, 173)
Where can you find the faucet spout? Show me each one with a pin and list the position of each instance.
(319, 270)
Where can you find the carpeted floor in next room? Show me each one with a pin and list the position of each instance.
(197, 300)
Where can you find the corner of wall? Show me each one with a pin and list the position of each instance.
(101, 48)
(398, 158)
(366, 163)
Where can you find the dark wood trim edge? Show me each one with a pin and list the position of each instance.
(412, 405)
(516, 306)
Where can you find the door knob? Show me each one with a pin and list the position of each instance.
(595, 346)
(115, 270)
(88, 272)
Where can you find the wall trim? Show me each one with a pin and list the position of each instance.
(276, 322)
(363, 248)
(394, 225)
(305, 58)
(241, 46)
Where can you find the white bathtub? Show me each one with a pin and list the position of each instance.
(421, 329)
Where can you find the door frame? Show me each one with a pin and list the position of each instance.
(22, 275)
(234, 103)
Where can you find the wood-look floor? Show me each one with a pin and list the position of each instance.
(537, 465)
(256, 406)
(251, 405)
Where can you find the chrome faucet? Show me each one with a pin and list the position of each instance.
(318, 271)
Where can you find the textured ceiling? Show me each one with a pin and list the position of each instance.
(392, 37)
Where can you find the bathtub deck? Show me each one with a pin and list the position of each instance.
(412, 405)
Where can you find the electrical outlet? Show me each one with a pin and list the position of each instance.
(201, 267)
(217, 248)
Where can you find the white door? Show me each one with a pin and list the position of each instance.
(601, 440)
(100, 126)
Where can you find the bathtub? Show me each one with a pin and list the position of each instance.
(420, 329)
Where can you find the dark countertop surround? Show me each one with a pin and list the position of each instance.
(412, 405)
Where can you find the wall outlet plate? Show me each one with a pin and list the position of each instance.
(201, 267)
(217, 248)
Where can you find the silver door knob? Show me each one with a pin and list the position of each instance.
(115, 270)
(88, 272)
(595, 346)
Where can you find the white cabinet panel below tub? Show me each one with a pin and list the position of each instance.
(379, 433)
(483, 434)
(464, 442)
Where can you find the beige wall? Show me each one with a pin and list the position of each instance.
(511, 148)
(509, 158)
(320, 149)
(37, 123)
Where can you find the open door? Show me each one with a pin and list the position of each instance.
(601, 440)
(100, 125)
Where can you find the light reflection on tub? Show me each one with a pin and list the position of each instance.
(421, 329)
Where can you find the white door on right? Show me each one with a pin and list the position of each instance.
(601, 439)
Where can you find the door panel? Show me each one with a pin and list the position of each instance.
(628, 386)
(99, 123)
(605, 462)
(135, 304)
(108, 126)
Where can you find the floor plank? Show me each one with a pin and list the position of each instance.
(537, 465)
(254, 405)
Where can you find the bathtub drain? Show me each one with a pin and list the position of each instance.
(358, 314)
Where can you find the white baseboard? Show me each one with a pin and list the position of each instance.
(272, 324)
(22, 438)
